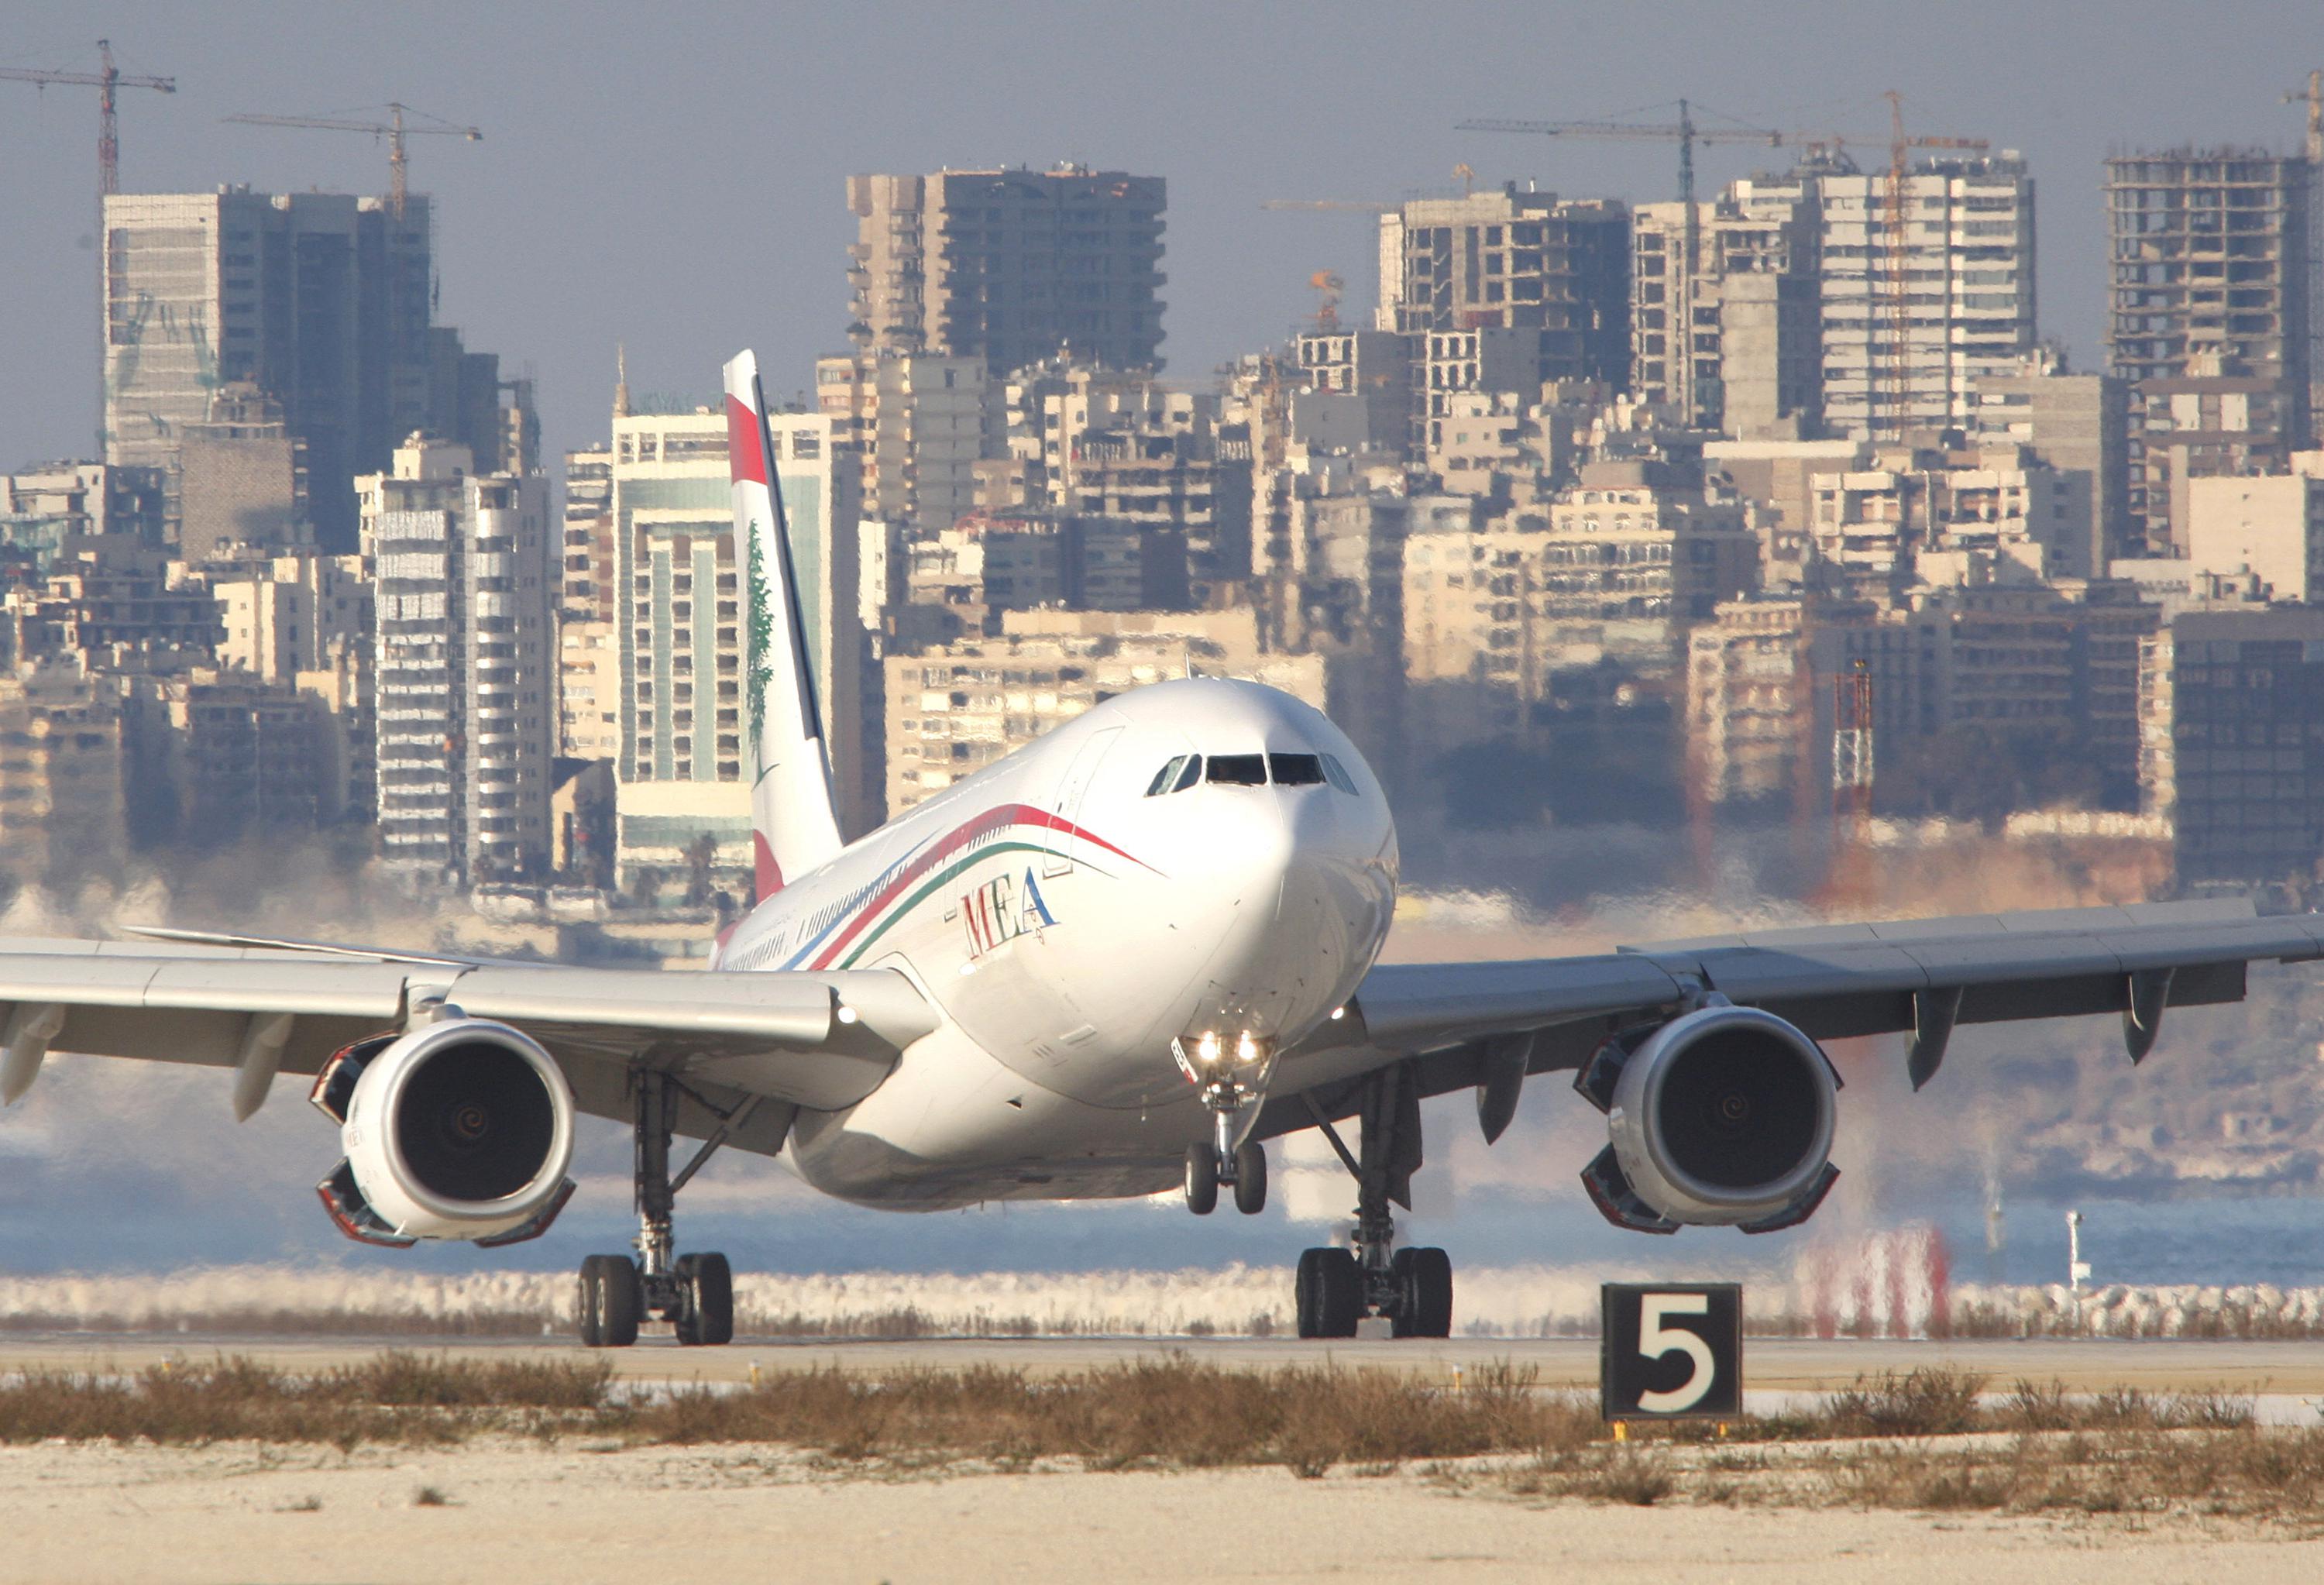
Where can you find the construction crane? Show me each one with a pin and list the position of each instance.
(1901, 145)
(104, 80)
(1328, 286)
(392, 130)
(1686, 134)
(1359, 206)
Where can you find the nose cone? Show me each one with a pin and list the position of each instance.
(1300, 887)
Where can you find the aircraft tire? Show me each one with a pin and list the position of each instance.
(1201, 1177)
(709, 1283)
(1329, 1293)
(1251, 1178)
(611, 1302)
(1424, 1282)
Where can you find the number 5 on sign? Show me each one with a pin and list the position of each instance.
(1671, 1350)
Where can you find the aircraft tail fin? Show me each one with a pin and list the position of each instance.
(795, 826)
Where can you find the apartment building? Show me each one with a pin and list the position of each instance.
(2268, 527)
(2231, 719)
(679, 634)
(1515, 261)
(916, 425)
(1009, 267)
(956, 708)
(463, 569)
(1729, 336)
(1920, 297)
(2207, 318)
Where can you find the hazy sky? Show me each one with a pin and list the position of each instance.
(672, 176)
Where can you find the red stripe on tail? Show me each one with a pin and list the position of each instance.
(745, 457)
(768, 873)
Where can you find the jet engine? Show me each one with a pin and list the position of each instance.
(1721, 1117)
(462, 1129)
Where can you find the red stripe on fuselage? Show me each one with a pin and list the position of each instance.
(745, 457)
(992, 820)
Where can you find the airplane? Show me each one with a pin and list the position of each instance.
(1118, 961)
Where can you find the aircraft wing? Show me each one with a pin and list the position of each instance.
(820, 1040)
(1922, 976)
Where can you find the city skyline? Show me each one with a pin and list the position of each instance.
(600, 190)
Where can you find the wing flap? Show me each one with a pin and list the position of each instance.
(815, 1040)
(1833, 980)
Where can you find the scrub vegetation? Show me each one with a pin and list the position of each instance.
(1934, 1440)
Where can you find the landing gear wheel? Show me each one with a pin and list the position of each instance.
(1423, 1284)
(1251, 1178)
(1201, 1177)
(611, 1303)
(705, 1285)
(1329, 1293)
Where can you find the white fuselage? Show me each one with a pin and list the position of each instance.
(1069, 926)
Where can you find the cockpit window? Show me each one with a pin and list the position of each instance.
(1239, 770)
(1296, 769)
(1337, 774)
(1188, 776)
(1165, 776)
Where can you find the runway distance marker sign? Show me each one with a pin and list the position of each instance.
(1670, 1351)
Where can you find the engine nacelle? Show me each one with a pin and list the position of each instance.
(1721, 1117)
(463, 1129)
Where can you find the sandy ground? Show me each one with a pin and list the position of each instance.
(519, 1512)
(2289, 1368)
(514, 1514)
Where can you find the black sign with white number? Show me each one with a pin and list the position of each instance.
(1671, 1350)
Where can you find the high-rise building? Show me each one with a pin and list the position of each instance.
(1924, 289)
(680, 627)
(2208, 318)
(916, 424)
(587, 593)
(1729, 338)
(320, 300)
(1557, 271)
(464, 573)
(1009, 267)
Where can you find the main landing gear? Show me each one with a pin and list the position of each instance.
(696, 1293)
(1410, 1288)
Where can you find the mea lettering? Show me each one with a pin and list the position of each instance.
(1001, 910)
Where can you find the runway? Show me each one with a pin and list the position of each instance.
(2281, 1370)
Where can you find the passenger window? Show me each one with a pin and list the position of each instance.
(1296, 769)
(1239, 770)
(1192, 774)
(1164, 777)
(1337, 775)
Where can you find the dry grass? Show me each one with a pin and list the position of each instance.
(1169, 1412)
(1927, 1440)
(393, 1397)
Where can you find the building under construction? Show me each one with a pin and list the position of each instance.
(321, 304)
(2208, 318)
(1012, 267)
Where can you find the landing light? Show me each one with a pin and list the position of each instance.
(1246, 1049)
(848, 1015)
(1338, 1013)
(1207, 1050)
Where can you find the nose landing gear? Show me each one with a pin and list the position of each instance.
(695, 1293)
(1230, 1075)
(1243, 1170)
(1411, 1288)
